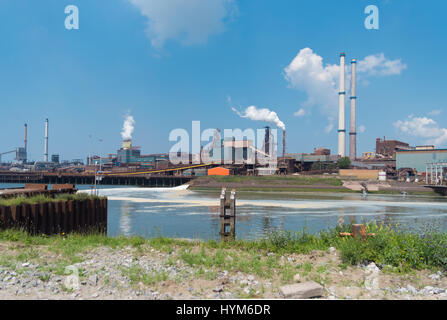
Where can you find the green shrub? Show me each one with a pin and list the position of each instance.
(344, 163)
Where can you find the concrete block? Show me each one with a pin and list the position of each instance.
(305, 290)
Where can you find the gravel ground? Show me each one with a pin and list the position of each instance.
(148, 273)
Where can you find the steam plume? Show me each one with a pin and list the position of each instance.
(264, 114)
(128, 128)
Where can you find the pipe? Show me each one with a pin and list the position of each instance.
(341, 110)
(45, 154)
(284, 143)
(353, 129)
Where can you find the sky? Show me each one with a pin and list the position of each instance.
(159, 65)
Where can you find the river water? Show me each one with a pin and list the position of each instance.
(176, 212)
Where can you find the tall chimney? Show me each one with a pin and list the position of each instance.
(45, 154)
(25, 140)
(284, 143)
(353, 129)
(267, 140)
(341, 110)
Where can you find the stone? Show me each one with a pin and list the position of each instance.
(372, 278)
(427, 290)
(435, 276)
(305, 290)
(218, 289)
(372, 268)
(438, 290)
(372, 282)
(93, 280)
(412, 289)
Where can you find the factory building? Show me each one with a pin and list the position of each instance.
(387, 148)
(230, 151)
(419, 159)
(129, 155)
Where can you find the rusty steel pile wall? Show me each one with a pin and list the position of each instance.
(80, 216)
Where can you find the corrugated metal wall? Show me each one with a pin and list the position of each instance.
(419, 159)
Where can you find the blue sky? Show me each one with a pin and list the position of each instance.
(170, 62)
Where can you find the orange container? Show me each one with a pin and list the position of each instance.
(219, 171)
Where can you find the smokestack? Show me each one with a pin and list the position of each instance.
(353, 129)
(284, 143)
(45, 154)
(267, 140)
(341, 110)
(25, 140)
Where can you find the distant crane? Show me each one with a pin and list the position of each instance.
(5, 153)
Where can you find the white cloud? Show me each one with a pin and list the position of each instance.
(189, 21)
(424, 128)
(435, 112)
(379, 65)
(307, 73)
(319, 81)
(300, 113)
(264, 114)
(361, 129)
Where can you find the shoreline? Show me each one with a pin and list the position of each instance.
(111, 268)
(304, 184)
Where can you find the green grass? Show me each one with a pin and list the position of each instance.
(274, 180)
(401, 249)
(136, 275)
(44, 199)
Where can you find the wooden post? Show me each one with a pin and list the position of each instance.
(57, 217)
(77, 217)
(359, 231)
(15, 217)
(105, 215)
(70, 216)
(92, 215)
(2, 218)
(34, 223)
(227, 219)
(26, 217)
(64, 216)
(223, 201)
(233, 203)
(50, 227)
(42, 218)
(101, 215)
(84, 215)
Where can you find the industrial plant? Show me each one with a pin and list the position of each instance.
(395, 159)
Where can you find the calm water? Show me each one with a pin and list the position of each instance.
(187, 214)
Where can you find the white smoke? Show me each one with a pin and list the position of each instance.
(264, 114)
(128, 128)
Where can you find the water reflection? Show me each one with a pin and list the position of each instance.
(125, 219)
